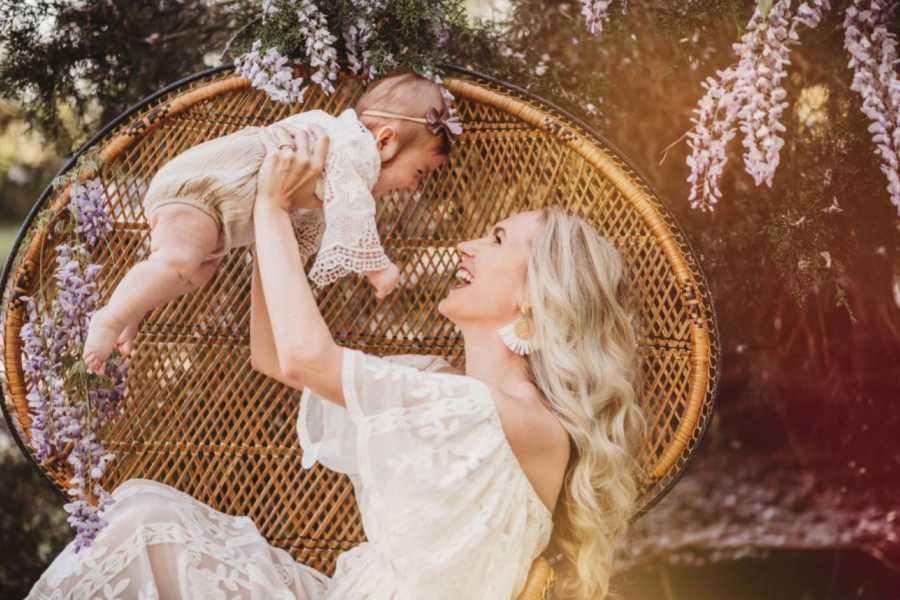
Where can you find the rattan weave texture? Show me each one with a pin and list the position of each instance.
(200, 419)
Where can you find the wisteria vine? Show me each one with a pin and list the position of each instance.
(320, 50)
(271, 73)
(359, 48)
(873, 54)
(750, 94)
(595, 12)
(67, 405)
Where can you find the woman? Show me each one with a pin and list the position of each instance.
(458, 473)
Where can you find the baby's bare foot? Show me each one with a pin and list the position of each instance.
(101, 338)
(125, 341)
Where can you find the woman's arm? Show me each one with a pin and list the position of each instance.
(263, 357)
(305, 353)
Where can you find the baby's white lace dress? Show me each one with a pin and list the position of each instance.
(343, 232)
(447, 510)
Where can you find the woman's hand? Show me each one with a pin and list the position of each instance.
(287, 177)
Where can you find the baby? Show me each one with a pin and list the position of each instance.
(200, 204)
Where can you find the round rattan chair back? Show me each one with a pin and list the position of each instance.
(199, 418)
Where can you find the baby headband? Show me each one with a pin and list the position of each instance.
(435, 120)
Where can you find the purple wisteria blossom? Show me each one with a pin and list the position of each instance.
(76, 293)
(320, 50)
(595, 12)
(369, 6)
(271, 73)
(42, 365)
(749, 93)
(873, 54)
(355, 38)
(359, 34)
(763, 67)
(91, 217)
(67, 406)
(714, 127)
(89, 461)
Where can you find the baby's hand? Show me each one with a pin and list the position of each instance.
(385, 280)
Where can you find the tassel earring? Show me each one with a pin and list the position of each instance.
(517, 336)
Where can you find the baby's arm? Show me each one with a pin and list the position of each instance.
(350, 243)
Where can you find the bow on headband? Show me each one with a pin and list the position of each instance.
(435, 120)
(442, 119)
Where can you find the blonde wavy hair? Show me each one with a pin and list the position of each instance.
(586, 363)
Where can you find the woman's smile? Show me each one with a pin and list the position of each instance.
(461, 278)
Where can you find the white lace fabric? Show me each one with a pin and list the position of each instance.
(446, 506)
(161, 543)
(447, 510)
(344, 233)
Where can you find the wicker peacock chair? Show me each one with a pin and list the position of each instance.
(199, 418)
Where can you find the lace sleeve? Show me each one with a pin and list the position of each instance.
(350, 243)
(325, 430)
(377, 388)
(309, 227)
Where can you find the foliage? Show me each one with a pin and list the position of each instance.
(99, 57)
(32, 525)
(403, 32)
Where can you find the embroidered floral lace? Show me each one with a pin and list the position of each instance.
(343, 231)
(447, 510)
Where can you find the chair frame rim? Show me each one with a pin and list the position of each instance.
(544, 104)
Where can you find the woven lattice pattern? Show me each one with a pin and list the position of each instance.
(197, 416)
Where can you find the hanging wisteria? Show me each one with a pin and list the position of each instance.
(308, 30)
(873, 54)
(320, 51)
(750, 94)
(358, 56)
(271, 73)
(595, 12)
(68, 406)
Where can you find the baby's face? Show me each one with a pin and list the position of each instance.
(406, 170)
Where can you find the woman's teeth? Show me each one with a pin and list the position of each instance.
(462, 278)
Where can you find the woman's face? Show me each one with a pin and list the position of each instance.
(498, 265)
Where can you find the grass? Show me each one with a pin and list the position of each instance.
(8, 233)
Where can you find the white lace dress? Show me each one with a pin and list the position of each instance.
(447, 510)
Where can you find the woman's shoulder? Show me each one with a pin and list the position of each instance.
(538, 440)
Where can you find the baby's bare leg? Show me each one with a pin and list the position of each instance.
(182, 240)
(124, 343)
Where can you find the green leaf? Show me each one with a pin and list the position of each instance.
(764, 6)
(68, 360)
(75, 367)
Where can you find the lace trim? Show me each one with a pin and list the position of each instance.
(350, 243)
(336, 261)
(309, 227)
